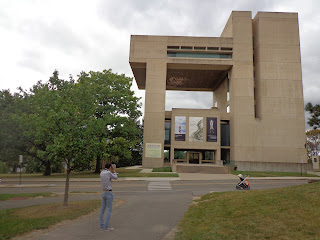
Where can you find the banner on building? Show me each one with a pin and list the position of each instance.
(195, 129)
(180, 128)
(153, 150)
(211, 129)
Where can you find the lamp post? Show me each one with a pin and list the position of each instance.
(20, 165)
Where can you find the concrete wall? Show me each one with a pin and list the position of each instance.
(266, 98)
(280, 130)
(274, 167)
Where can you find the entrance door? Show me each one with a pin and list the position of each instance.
(194, 157)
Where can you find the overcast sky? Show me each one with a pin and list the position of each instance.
(39, 36)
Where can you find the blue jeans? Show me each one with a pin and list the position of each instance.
(107, 199)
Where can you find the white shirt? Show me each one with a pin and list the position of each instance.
(105, 177)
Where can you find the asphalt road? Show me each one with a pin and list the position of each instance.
(151, 209)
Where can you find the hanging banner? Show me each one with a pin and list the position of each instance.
(196, 129)
(180, 128)
(211, 129)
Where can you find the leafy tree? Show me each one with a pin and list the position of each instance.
(117, 109)
(77, 121)
(313, 142)
(12, 142)
(314, 120)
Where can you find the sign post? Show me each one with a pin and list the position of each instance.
(20, 165)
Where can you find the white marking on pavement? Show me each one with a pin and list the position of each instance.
(159, 186)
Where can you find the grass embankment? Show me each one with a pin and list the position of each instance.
(162, 169)
(8, 196)
(273, 174)
(285, 213)
(88, 174)
(22, 220)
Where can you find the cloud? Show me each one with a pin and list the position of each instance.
(75, 35)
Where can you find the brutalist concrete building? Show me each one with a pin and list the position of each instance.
(254, 72)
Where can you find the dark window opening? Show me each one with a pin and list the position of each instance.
(199, 48)
(213, 48)
(167, 132)
(199, 55)
(186, 47)
(226, 49)
(173, 47)
(225, 133)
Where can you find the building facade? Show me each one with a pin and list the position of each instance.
(254, 71)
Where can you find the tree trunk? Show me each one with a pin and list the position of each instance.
(98, 164)
(66, 190)
(47, 170)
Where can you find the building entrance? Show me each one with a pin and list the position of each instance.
(194, 157)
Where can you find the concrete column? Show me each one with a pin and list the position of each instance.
(154, 116)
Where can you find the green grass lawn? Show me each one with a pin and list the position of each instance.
(162, 169)
(7, 196)
(21, 220)
(273, 174)
(290, 213)
(87, 174)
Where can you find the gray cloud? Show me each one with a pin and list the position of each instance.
(98, 37)
(188, 99)
(56, 35)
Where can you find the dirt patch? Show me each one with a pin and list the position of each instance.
(54, 209)
(18, 198)
(35, 234)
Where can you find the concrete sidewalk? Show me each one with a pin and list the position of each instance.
(43, 182)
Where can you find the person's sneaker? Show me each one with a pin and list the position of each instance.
(109, 229)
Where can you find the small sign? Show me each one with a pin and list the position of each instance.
(20, 159)
(153, 150)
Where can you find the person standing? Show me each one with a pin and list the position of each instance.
(107, 195)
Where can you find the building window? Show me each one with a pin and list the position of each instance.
(167, 132)
(199, 55)
(173, 47)
(216, 104)
(228, 88)
(225, 134)
(209, 155)
(166, 155)
(180, 154)
(228, 108)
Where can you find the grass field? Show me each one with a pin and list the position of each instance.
(290, 213)
(272, 174)
(87, 174)
(7, 196)
(21, 220)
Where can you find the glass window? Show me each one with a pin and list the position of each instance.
(225, 135)
(209, 155)
(180, 154)
(198, 55)
(167, 132)
(166, 155)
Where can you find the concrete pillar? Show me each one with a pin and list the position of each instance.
(154, 116)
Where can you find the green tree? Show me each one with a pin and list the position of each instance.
(313, 142)
(314, 120)
(116, 107)
(12, 142)
(78, 121)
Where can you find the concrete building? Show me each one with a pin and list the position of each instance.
(254, 71)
